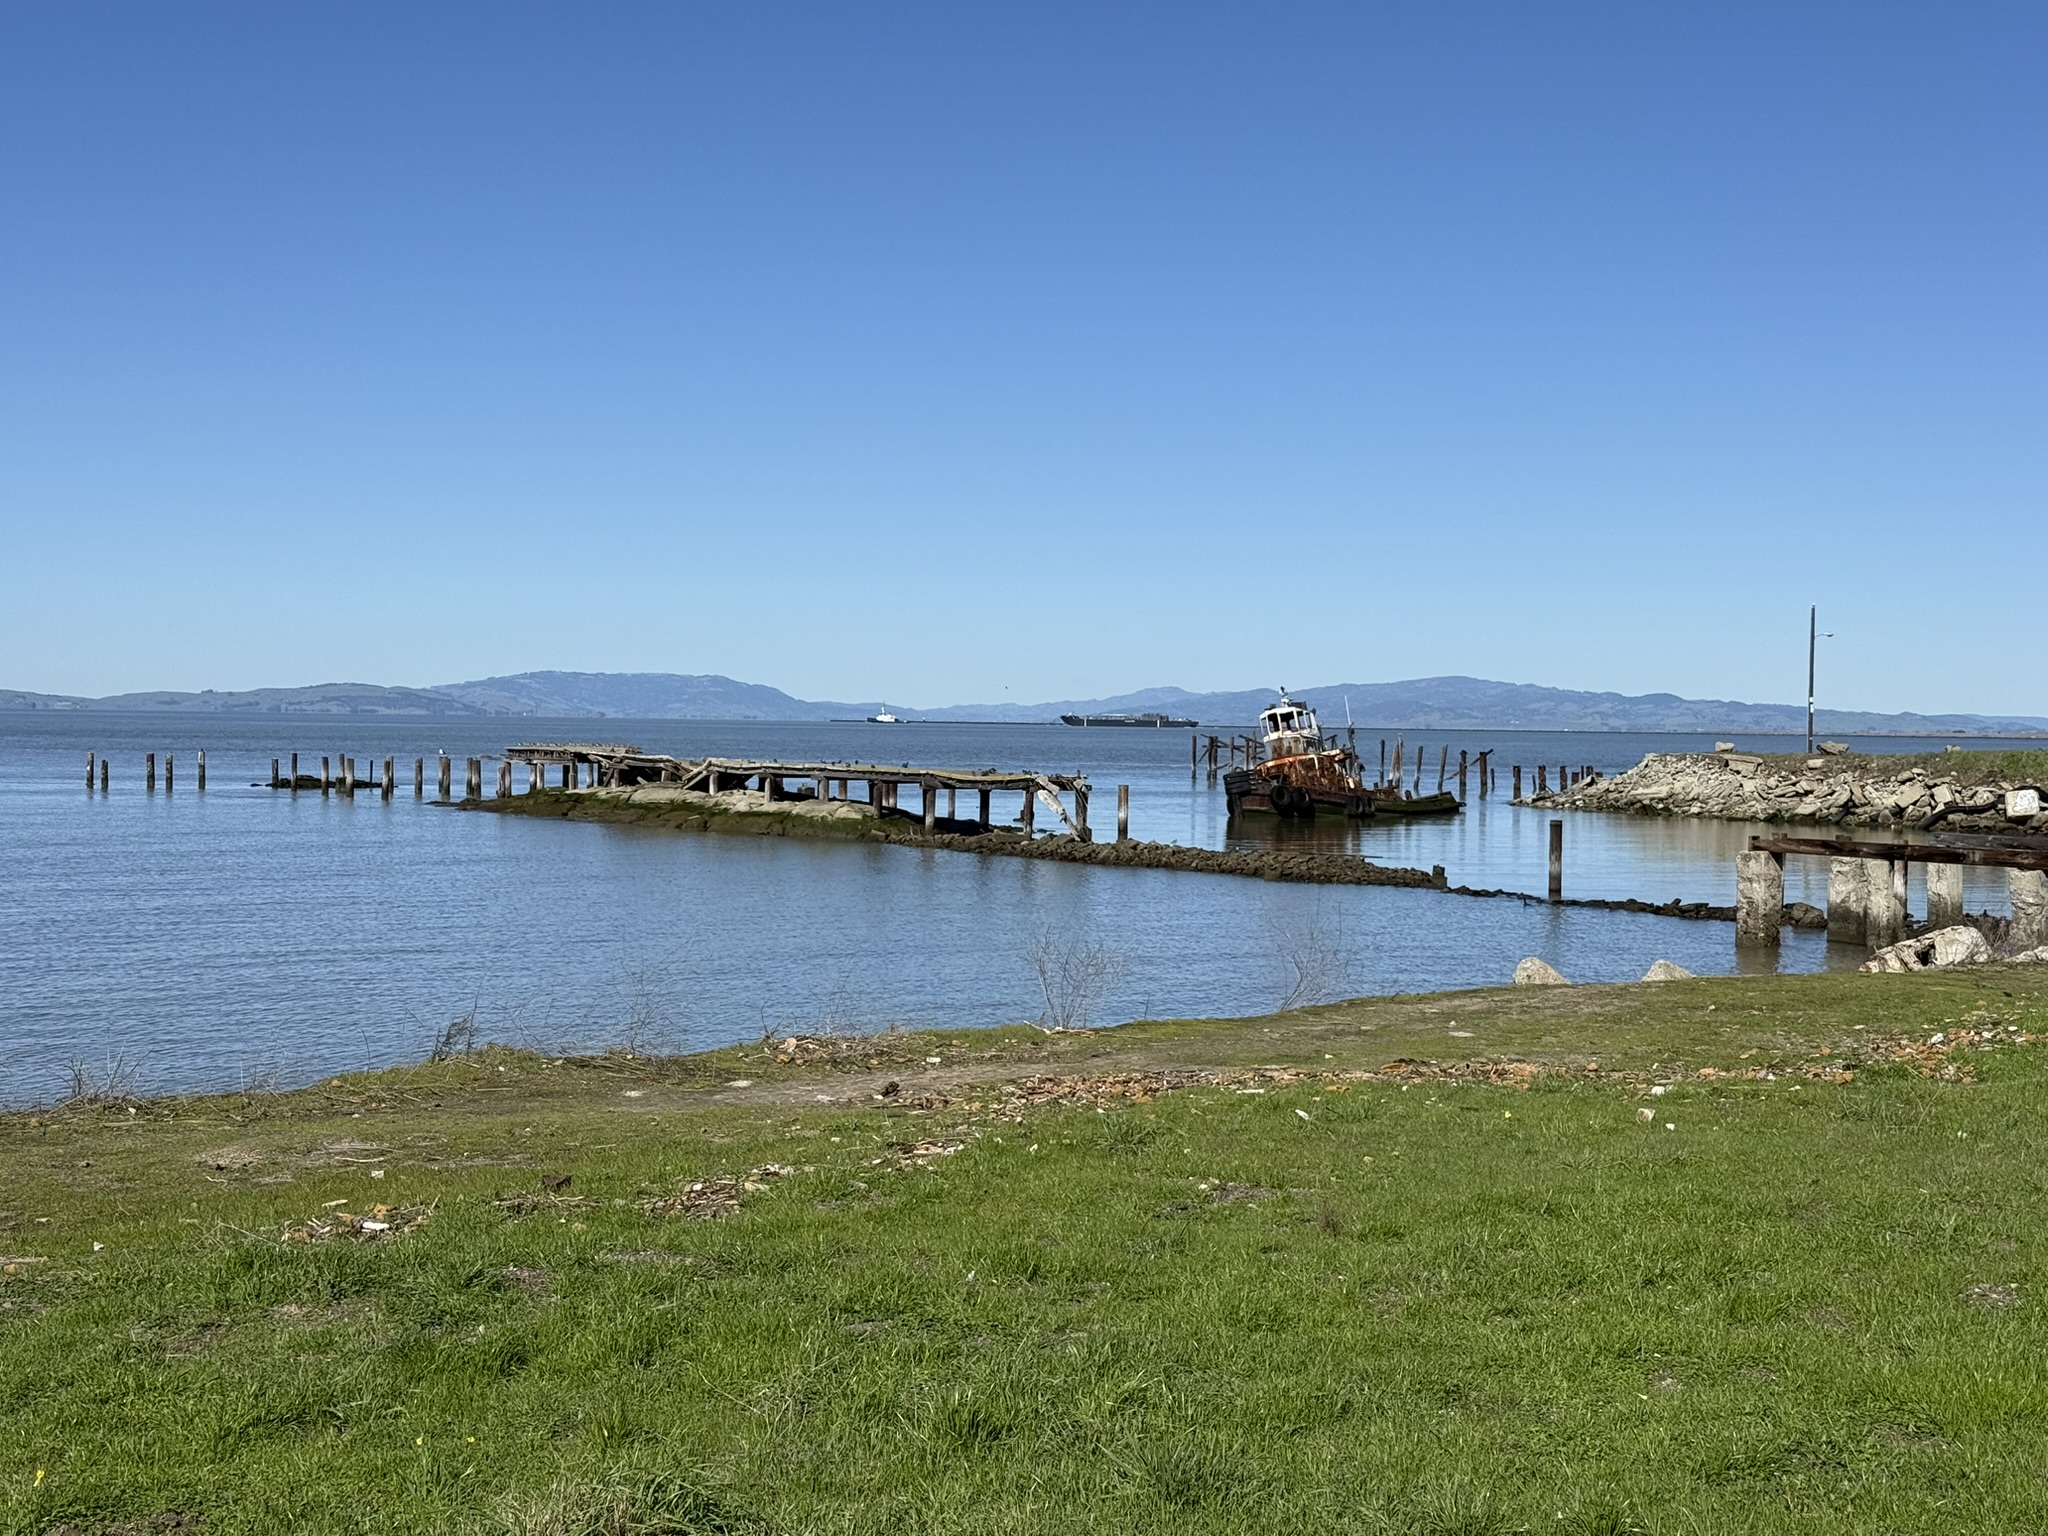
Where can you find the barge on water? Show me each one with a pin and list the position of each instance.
(1155, 720)
(1303, 775)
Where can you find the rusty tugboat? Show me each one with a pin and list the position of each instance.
(1303, 775)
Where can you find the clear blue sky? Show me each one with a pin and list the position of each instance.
(962, 352)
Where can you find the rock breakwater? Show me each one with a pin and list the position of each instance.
(1854, 791)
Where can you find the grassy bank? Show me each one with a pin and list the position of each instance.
(2015, 766)
(1408, 1265)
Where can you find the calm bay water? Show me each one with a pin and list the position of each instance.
(245, 935)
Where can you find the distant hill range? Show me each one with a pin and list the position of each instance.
(1437, 703)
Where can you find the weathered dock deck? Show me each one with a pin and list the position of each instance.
(615, 765)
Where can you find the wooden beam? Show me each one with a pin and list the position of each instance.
(1947, 852)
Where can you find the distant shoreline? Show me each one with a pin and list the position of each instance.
(400, 716)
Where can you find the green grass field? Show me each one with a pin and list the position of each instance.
(1405, 1265)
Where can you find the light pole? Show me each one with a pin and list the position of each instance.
(1812, 645)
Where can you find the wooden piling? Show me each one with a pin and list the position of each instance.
(89, 765)
(390, 776)
(1029, 814)
(326, 778)
(1123, 813)
(275, 781)
(1542, 779)
(1461, 775)
(446, 773)
(170, 770)
(295, 773)
(1518, 782)
(1081, 815)
(952, 802)
(505, 779)
(105, 773)
(202, 770)
(419, 778)
(149, 772)
(985, 809)
(473, 780)
(1557, 861)
(931, 808)
(1443, 763)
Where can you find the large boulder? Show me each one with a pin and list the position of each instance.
(1536, 973)
(1664, 970)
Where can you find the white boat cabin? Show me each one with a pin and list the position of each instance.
(1290, 729)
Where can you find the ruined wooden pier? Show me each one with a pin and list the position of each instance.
(610, 765)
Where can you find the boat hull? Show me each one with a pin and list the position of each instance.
(1253, 794)
(1444, 804)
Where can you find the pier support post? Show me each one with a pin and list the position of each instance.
(1557, 861)
(505, 779)
(1028, 815)
(1518, 782)
(1884, 903)
(1461, 775)
(1759, 897)
(446, 773)
(326, 777)
(473, 779)
(202, 770)
(1542, 780)
(1123, 813)
(390, 776)
(149, 772)
(419, 778)
(931, 808)
(295, 773)
(1081, 816)
(1848, 906)
(105, 771)
(170, 770)
(2029, 889)
(88, 772)
(1944, 895)
(275, 781)
(952, 802)
(984, 809)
